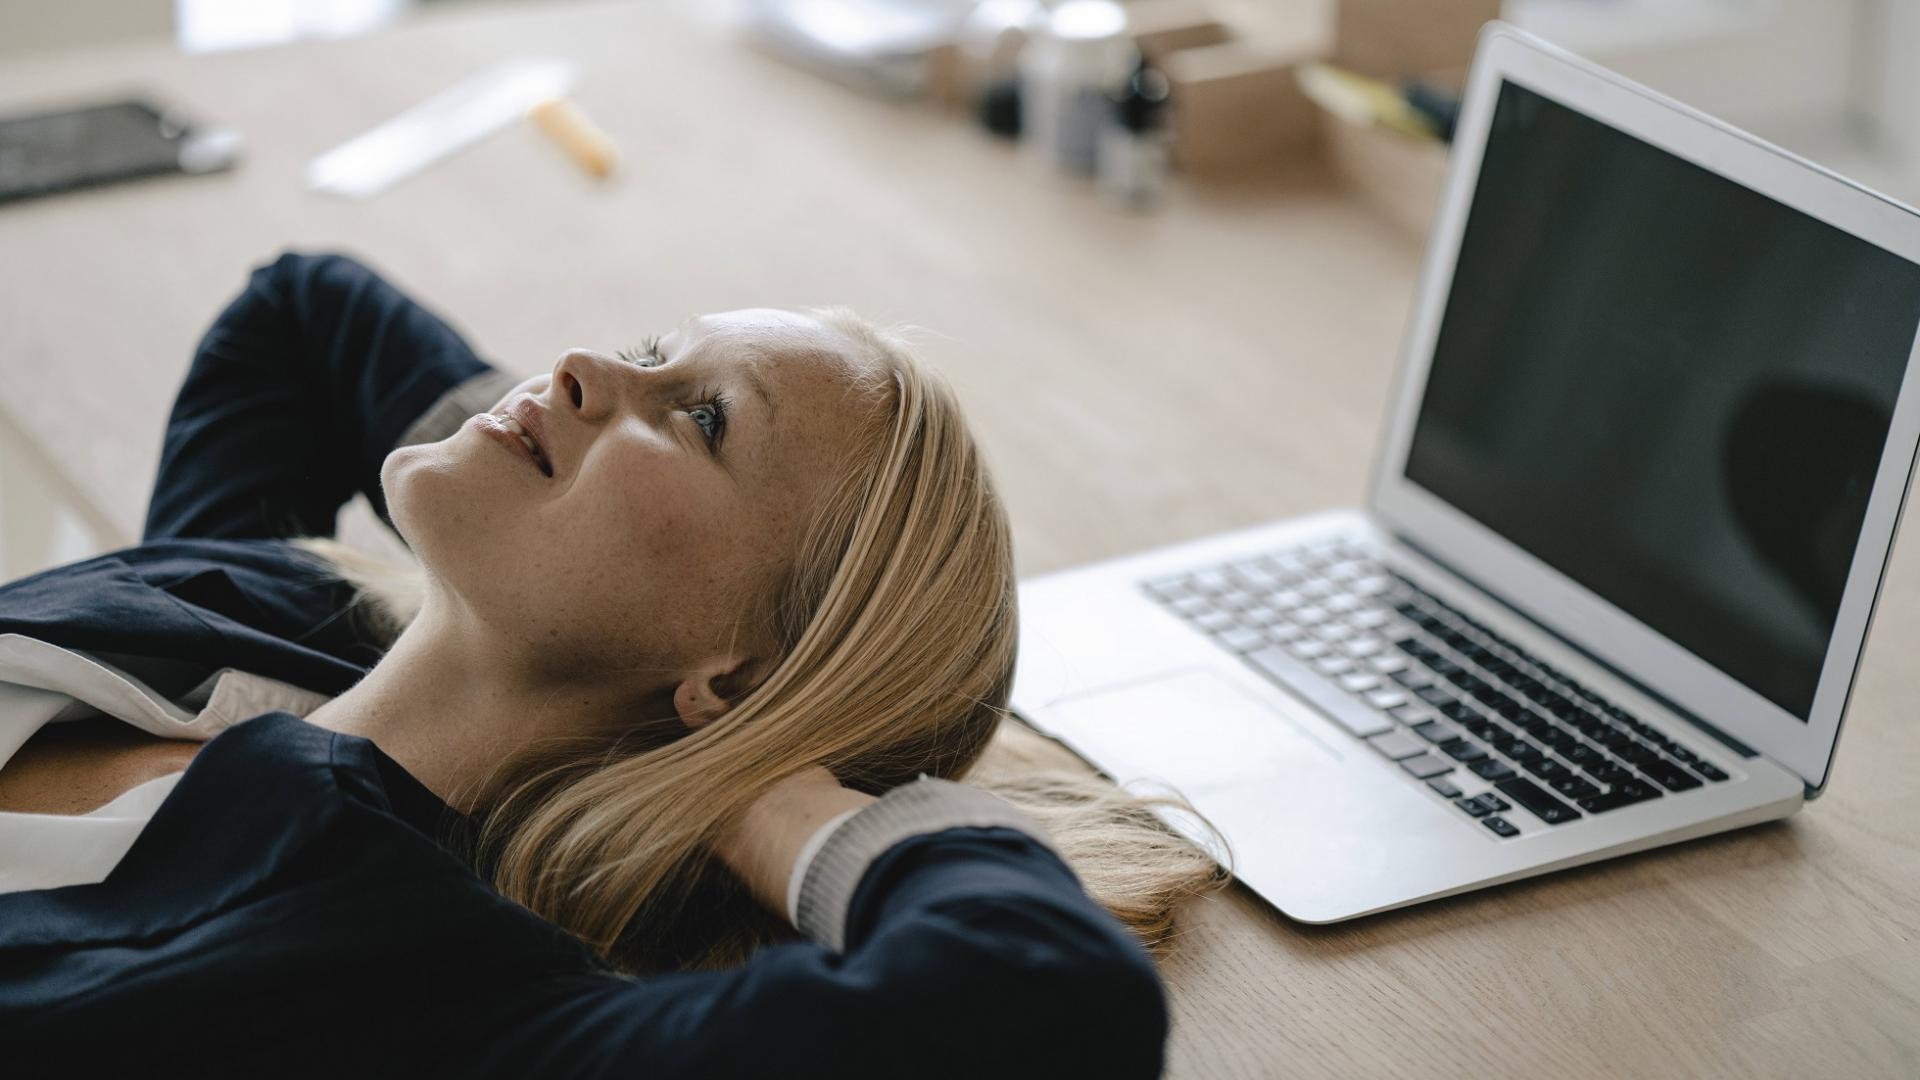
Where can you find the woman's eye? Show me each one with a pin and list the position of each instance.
(646, 354)
(707, 417)
(711, 415)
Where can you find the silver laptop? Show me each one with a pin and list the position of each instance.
(1648, 442)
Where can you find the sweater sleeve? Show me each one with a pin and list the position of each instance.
(950, 941)
(296, 395)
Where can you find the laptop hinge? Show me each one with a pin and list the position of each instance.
(1715, 732)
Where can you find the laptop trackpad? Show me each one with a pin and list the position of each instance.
(1194, 730)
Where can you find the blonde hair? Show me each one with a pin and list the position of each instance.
(896, 626)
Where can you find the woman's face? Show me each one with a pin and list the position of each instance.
(679, 483)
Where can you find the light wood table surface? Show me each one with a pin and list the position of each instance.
(1137, 380)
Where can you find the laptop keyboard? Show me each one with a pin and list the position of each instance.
(1431, 688)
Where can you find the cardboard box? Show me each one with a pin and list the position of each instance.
(1236, 105)
(1160, 27)
(1394, 39)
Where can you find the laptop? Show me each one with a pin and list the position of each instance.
(1647, 444)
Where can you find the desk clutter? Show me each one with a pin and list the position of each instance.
(1127, 92)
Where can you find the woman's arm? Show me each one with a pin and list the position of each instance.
(764, 844)
(296, 394)
(964, 951)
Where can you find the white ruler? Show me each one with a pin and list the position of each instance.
(438, 126)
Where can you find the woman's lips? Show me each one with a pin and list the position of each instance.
(496, 428)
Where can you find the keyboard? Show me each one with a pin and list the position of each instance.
(1431, 688)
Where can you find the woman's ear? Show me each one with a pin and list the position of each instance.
(708, 692)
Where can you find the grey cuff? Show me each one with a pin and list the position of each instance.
(926, 805)
(476, 394)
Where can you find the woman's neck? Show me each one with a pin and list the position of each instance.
(449, 705)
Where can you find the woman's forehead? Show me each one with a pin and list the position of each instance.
(765, 330)
(783, 352)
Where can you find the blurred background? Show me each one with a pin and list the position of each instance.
(1197, 104)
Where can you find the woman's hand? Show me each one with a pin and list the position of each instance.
(762, 845)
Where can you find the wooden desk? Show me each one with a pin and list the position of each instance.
(1136, 380)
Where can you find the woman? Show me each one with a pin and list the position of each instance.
(700, 637)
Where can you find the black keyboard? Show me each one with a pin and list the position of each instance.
(1430, 687)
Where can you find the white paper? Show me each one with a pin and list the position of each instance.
(438, 126)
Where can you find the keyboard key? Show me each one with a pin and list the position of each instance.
(1671, 776)
(1609, 774)
(1708, 770)
(1168, 589)
(1491, 769)
(1309, 614)
(1533, 723)
(1333, 632)
(1387, 664)
(1496, 699)
(1237, 600)
(1500, 825)
(1386, 697)
(1436, 732)
(1331, 665)
(1584, 755)
(1560, 741)
(1241, 639)
(1624, 794)
(1307, 648)
(1616, 740)
(1263, 615)
(1473, 806)
(1411, 714)
(1462, 750)
(1361, 646)
(1285, 633)
(1639, 754)
(1215, 621)
(1434, 696)
(1589, 725)
(1192, 605)
(1548, 769)
(1447, 788)
(1212, 581)
(1575, 787)
(1255, 572)
(1410, 679)
(1397, 744)
(1426, 765)
(1370, 619)
(1536, 800)
(1523, 751)
(1474, 722)
(1359, 682)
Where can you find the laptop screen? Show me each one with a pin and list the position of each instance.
(1670, 388)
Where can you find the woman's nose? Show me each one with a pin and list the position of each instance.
(582, 378)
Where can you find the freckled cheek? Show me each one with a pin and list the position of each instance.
(655, 544)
